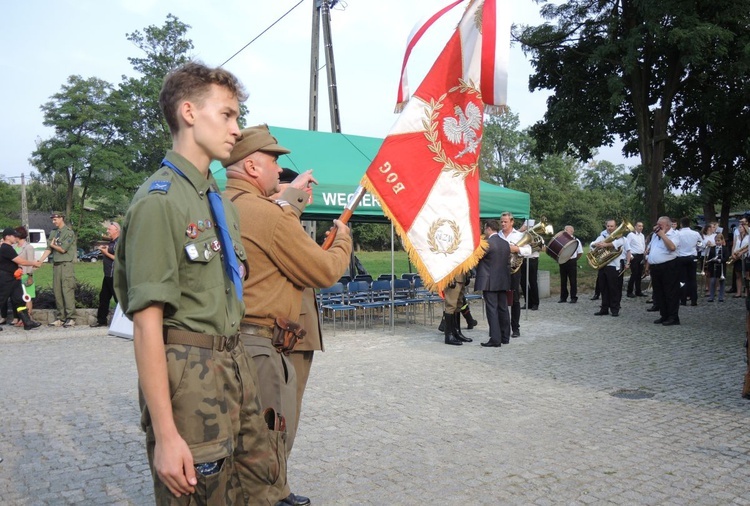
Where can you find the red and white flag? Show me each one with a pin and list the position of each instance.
(426, 174)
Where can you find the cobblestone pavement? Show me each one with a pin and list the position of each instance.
(400, 418)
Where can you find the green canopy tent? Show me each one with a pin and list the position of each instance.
(339, 161)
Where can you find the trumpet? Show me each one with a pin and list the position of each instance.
(737, 255)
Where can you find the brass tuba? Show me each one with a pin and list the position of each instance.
(531, 236)
(601, 257)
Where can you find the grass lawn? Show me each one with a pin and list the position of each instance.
(379, 262)
(86, 272)
(376, 263)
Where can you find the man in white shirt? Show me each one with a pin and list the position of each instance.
(512, 235)
(569, 271)
(636, 248)
(529, 274)
(665, 279)
(686, 262)
(609, 275)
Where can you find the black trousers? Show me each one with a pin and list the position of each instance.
(10, 288)
(611, 288)
(636, 273)
(665, 280)
(105, 295)
(569, 273)
(686, 269)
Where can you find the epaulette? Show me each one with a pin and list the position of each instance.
(159, 186)
(281, 203)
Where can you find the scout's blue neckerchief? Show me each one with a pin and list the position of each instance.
(231, 266)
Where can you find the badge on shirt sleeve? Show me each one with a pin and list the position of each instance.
(159, 186)
(208, 223)
(192, 251)
(215, 245)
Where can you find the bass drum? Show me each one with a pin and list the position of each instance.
(562, 247)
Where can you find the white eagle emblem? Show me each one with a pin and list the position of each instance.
(463, 128)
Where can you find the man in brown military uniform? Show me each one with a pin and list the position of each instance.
(206, 439)
(302, 356)
(283, 260)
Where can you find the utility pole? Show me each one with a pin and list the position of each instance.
(24, 205)
(322, 14)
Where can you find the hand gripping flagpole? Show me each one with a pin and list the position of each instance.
(346, 214)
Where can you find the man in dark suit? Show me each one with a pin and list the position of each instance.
(493, 279)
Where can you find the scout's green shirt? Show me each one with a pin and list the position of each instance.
(66, 239)
(169, 253)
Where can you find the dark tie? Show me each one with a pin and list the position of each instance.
(231, 266)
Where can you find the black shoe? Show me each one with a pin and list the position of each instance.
(693, 303)
(490, 344)
(515, 333)
(595, 297)
(294, 500)
(601, 312)
(562, 300)
(670, 321)
(652, 309)
(640, 294)
(615, 313)
(631, 296)
(470, 325)
(534, 308)
(574, 300)
(659, 320)
(453, 341)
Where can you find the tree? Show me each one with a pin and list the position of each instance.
(504, 149)
(138, 119)
(617, 67)
(84, 143)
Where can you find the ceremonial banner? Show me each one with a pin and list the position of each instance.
(426, 175)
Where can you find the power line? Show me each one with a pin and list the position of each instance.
(261, 33)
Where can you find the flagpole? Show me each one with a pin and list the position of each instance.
(346, 214)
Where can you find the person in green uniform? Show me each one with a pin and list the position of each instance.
(61, 246)
(284, 261)
(178, 275)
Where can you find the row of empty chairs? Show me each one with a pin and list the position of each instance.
(385, 295)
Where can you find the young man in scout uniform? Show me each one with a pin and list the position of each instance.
(62, 248)
(178, 271)
(284, 260)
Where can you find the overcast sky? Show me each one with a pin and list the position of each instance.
(45, 41)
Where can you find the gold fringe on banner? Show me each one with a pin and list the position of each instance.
(429, 283)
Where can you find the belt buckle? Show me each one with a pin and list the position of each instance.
(231, 341)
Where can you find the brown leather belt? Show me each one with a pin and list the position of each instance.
(209, 342)
(256, 330)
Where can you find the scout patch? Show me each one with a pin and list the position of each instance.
(215, 245)
(192, 231)
(159, 186)
(208, 223)
(201, 225)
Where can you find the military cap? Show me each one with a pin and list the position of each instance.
(257, 138)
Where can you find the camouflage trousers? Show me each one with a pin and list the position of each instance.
(217, 412)
(277, 386)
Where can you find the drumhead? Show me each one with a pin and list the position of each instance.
(562, 247)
